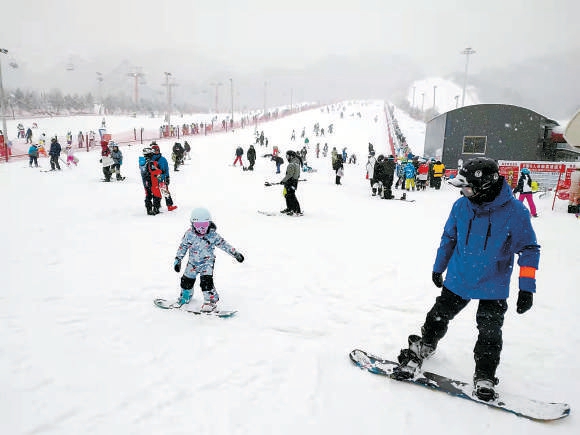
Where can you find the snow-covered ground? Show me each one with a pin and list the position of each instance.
(83, 350)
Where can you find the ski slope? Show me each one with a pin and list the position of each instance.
(83, 350)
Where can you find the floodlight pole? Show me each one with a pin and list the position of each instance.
(466, 52)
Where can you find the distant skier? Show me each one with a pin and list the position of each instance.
(177, 155)
(54, 153)
(290, 182)
(200, 241)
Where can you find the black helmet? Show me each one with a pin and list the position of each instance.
(290, 154)
(380, 158)
(147, 152)
(479, 173)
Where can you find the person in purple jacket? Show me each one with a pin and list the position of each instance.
(486, 228)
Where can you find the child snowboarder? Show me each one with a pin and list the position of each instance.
(149, 173)
(201, 240)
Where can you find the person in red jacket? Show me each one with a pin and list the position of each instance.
(422, 175)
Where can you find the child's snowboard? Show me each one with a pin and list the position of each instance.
(166, 305)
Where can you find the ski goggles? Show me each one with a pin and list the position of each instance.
(201, 227)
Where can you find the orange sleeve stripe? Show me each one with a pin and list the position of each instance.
(527, 272)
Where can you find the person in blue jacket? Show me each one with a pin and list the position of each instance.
(164, 177)
(484, 231)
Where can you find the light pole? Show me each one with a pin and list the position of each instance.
(434, 89)
(232, 92)
(3, 105)
(422, 101)
(100, 90)
(456, 101)
(217, 85)
(169, 102)
(466, 52)
(265, 92)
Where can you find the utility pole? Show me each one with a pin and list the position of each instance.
(423, 101)
(434, 89)
(217, 85)
(168, 91)
(265, 92)
(232, 92)
(100, 90)
(466, 52)
(3, 107)
(136, 76)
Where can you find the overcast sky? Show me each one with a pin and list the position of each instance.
(250, 34)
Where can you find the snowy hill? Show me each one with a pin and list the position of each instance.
(84, 351)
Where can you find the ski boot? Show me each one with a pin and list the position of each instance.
(484, 387)
(185, 297)
(404, 196)
(210, 300)
(411, 359)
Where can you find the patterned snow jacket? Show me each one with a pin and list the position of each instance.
(479, 243)
(201, 248)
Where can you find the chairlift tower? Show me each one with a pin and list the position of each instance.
(137, 75)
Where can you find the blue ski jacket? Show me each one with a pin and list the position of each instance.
(163, 165)
(479, 243)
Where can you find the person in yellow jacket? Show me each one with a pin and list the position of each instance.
(438, 172)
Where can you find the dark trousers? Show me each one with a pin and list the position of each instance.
(291, 200)
(54, 162)
(388, 186)
(489, 318)
(151, 200)
(437, 182)
(33, 159)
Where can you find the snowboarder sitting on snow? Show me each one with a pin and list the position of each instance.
(200, 241)
(485, 229)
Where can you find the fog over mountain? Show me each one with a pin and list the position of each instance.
(547, 84)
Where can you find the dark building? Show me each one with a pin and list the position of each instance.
(497, 131)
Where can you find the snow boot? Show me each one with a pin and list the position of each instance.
(210, 300)
(484, 387)
(171, 207)
(185, 297)
(411, 359)
(404, 197)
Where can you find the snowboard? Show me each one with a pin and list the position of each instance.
(277, 213)
(166, 305)
(521, 406)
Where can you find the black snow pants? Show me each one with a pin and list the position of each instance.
(489, 318)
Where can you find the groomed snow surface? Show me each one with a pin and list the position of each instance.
(83, 350)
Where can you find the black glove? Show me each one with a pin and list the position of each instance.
(525, 301)
(437, 279)
(177, 265)
(239, 257)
